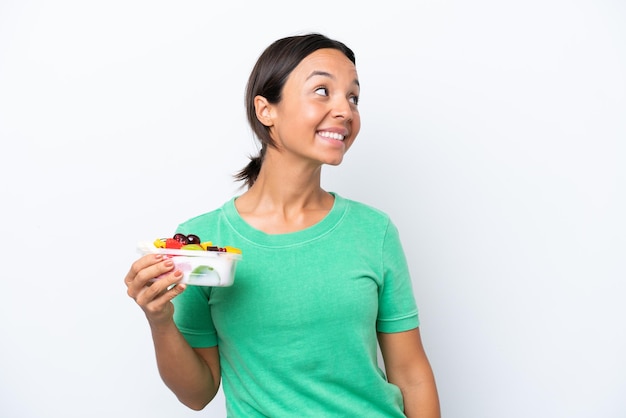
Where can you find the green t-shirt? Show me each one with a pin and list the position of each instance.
(296, 331)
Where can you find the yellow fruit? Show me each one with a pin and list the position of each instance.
(206, 244)
(230, 249)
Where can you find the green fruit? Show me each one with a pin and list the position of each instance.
(202, 270)
(195, 247)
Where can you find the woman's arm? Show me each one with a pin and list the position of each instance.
(407, 367)
(192, 374)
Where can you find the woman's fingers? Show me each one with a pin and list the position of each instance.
(144, 270)
(139, 265)
(153, 282)
(159, 287)
(157, 304)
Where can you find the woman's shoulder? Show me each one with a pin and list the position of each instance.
(367, 222)
(205, 218)
(367, 210)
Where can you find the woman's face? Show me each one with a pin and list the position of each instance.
(318, 118)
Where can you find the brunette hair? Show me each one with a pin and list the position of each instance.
(268, 78)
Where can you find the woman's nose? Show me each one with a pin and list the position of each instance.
(342, 107)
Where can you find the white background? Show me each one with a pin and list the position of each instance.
(493, 134)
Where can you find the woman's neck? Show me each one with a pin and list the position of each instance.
(285, 198)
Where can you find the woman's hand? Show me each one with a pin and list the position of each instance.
(154, 296)
(192, 374)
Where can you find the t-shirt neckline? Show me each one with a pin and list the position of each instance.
(312, 232)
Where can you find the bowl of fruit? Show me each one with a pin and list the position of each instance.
(201, 262)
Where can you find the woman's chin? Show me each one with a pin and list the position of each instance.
(334, 161)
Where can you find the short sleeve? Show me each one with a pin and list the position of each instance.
(192, 315)
(397, 309)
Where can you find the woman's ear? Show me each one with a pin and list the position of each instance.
(263, 111)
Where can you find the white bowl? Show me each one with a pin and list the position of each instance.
(199, 268)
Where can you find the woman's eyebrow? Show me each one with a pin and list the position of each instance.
(329, 75)
(320, 73)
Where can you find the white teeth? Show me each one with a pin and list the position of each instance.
(332, 135)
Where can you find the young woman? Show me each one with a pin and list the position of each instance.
(322, 281)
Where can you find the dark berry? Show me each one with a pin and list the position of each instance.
(193, 239)
(181, 238)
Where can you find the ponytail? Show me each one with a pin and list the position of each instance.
(251, 171)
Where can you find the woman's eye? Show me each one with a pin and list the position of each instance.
(322, 91)
(354, 100)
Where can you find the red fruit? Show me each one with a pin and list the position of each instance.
(173, 243)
